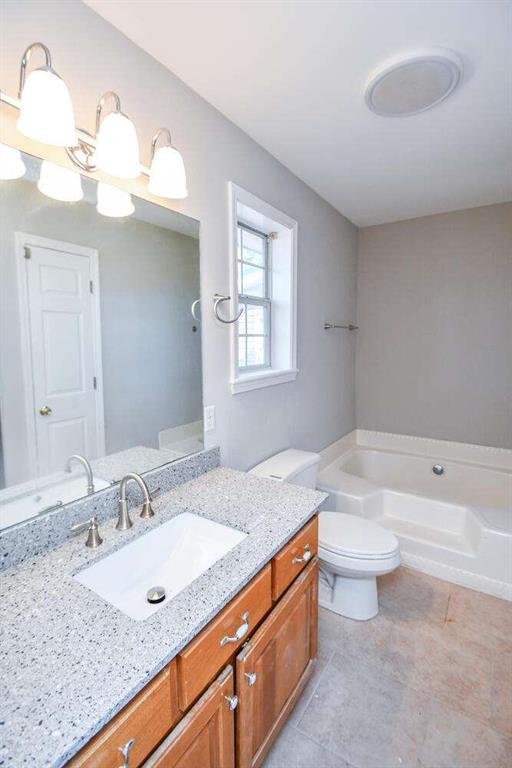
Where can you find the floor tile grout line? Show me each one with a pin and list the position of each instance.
(320, 676)
(323, 746)
(447, 611)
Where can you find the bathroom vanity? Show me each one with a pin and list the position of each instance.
(244, 671)
(207, 680)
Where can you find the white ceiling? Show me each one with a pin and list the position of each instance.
(292, 73)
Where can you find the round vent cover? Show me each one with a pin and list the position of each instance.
(414, 82)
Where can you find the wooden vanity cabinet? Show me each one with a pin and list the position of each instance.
(205, 738)
(182, 719)
(294, 557)
(201, 660)
(273, 668)
(138, 728)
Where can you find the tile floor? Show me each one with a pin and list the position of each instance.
(426, 684)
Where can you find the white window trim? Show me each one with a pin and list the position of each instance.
(244, 382)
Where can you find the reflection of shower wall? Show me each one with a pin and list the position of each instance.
(150, 352)
(149, 277)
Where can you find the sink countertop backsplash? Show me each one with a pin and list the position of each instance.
(39, 534)
(71, 661)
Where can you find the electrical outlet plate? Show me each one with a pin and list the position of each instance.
(209, 418)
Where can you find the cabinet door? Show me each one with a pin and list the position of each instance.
(274, 666)
(205, 736)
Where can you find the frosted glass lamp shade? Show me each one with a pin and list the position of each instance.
(167, 176)
(11, 163)
(60, 183)
(117, 147)
(114, 202)
(46, 111)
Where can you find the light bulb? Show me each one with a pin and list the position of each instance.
(60, 183)
(11, 163)
(46, 111)
(117, 147)
(167, 176)
(113, 202)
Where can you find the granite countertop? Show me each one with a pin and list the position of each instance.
(70, 661)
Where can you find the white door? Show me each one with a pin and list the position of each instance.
(63, 335)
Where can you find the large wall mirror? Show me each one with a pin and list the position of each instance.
(100, 354)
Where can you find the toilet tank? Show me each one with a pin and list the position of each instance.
(292, 466)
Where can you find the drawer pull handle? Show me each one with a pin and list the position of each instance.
(125, 751)
(232, 702)
(305, 557)
(240, 632)
(251, 677)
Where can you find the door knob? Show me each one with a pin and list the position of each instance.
(45, 410)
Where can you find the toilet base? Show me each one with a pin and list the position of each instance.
(353, 598)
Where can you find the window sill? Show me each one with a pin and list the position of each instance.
(270, 378)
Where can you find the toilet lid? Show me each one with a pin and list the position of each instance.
(353, 535)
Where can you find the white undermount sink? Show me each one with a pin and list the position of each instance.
(170, 556)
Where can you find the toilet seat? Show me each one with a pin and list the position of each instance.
(353, 537)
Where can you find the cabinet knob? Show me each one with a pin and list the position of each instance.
(240, 632)
(251, 677)
(125, 751)
(45, 410)
(305, 557)
(232, 702)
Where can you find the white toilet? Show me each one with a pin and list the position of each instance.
(353, 551)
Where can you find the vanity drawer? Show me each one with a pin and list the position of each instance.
(146, 719)
(289, 562)
(207, 654)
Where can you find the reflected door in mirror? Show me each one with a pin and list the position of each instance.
(61, 353)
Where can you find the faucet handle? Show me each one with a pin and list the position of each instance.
(93, 538)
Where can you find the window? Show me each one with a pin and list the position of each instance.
(264, 245)
(254, 340)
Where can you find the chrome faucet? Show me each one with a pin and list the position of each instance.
(124, 521)
(88, 470)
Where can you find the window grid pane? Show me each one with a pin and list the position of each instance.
(253, 287)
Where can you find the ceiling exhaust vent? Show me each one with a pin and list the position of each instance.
(413, 82)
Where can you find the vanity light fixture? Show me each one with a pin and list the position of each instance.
(114, 202)
(11, 163)
(117, 146)
(46, 111)
(46, 115)
(60, 183)
(167, 176)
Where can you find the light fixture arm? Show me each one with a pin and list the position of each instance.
(26, 58)
(82, 156)
(155, 138)
(101, 104)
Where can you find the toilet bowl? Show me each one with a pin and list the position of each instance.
(353, 551)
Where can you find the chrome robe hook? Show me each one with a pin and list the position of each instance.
(193, 309)
(218, 299)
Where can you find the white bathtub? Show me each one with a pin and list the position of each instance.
(456, 525)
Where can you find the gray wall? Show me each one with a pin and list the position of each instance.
(93, 57)
(149, 276)
(435, 317)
